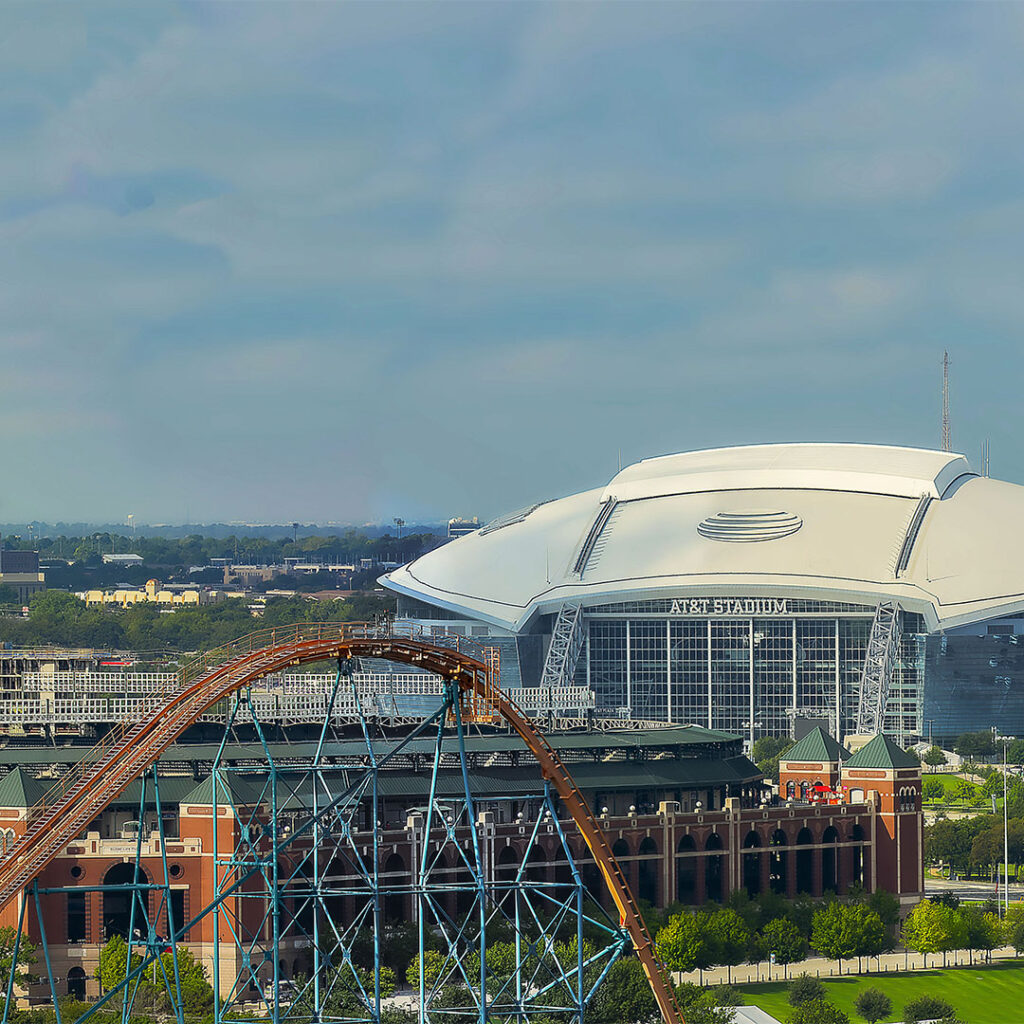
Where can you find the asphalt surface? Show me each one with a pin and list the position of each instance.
(971, 890)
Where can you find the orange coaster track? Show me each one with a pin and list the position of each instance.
(125, 753)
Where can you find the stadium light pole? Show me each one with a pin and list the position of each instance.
(1006, 831)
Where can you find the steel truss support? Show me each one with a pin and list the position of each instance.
(306, 896)
(567, 638)
(880, 661)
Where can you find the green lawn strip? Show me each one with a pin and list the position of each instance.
(988, 995)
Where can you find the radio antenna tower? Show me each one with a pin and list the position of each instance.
(947, 444)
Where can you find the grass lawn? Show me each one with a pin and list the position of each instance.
(987, 995)
(951, 783)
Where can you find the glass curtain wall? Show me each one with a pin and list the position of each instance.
(688, 669)
(745, 675)
(773, 676)
(609, 665)
(730, 676)
(648, 669)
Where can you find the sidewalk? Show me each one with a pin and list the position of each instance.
(887, 963)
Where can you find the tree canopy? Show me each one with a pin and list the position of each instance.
(59, 618)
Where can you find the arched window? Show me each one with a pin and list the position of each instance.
(713, 874)
(804, 861)
(790, 790)
(394, 902)
(778, 862)
(830, 860)
(686, 871)
(76, 983)
(647, 871)
(857, 836)
(118, 901)
(752, 864)
(507, 871)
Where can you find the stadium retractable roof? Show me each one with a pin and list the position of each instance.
(849, 523)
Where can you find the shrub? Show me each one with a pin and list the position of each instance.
(817, 1011)
(873, 1004)
(926, 1008)
(803, 988)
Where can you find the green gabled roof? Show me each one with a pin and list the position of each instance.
(18, 789)
(817, 745)
(231, 789)
(881, 752)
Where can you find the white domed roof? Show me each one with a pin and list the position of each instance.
(855, 523)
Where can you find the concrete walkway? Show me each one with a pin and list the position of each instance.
(887, 963)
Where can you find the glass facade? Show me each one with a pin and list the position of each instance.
(747, 675)
(974, 682)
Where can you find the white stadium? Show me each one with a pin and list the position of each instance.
(755, 589)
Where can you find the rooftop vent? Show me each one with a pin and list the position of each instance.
(745, 526)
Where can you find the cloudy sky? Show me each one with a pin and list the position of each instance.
(341, 262)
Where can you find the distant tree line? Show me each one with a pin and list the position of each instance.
(63, 620)
(170, 558)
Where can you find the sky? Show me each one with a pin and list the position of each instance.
(342, 262)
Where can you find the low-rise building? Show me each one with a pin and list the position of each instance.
(171, 595)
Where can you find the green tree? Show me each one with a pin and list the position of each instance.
(685, 943)
(975, 744)
(804, 988)
(625, 995)
(110, 970)
(26, 958)
(784, 941)
(433, 966)
(886, 906)
(933, 928)
(926, 1008)
(701, 1005)
(817, 1011)
(841, 931)
(1013, 927)
(729, 938)
(8, 595)
(872, 1004)
(766, 753)
(934, 757)
(982, 930)
(196, 992)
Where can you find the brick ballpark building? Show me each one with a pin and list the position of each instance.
(687, 814)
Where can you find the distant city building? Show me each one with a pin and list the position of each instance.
(151, 592)
(459, 527)
(249, 575)
(19, 570)
(122, 559)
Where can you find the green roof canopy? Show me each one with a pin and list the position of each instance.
(881, 752)
(817, 745)
(19, 789)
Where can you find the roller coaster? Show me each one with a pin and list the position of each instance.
(293, 874)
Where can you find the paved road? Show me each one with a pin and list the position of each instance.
(971, 890)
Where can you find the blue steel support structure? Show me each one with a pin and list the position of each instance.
(298, 879)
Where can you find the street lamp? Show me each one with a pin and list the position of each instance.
(1006, 832)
